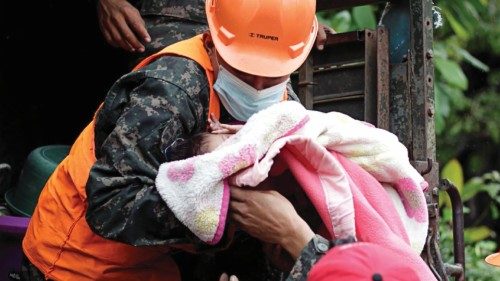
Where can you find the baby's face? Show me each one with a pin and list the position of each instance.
(212, 141)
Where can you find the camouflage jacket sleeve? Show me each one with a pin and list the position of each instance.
(312, 252)
(143, 113)
(191, 10)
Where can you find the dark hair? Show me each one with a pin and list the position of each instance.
(185, 148)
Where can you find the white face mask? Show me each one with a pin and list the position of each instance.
(242, 100)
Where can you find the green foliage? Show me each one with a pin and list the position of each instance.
(454, 173)
(451, 73)
(364, 17)
(476, 234)
(476, 268)
(489, 182)
(348, 20)
(463, 116)
(477, 243)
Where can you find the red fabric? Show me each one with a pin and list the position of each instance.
(363, 262)
(376, 218)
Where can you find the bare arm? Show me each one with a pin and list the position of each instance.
(270, 217)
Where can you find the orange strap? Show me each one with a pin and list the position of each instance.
(192, 49)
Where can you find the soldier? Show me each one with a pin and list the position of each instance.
(143, 27)
(100, 217)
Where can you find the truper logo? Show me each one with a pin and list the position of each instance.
(265, 37)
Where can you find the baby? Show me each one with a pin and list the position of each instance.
(284, 183)
(201, 143)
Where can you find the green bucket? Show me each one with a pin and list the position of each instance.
(39, 165)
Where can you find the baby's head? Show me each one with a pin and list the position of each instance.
(208, 142)
(198, 144)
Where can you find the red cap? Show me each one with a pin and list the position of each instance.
(362, 262)
(493, 259)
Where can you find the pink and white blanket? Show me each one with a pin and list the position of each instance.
(358, 177)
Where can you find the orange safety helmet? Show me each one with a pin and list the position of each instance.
(493, 259)
(269, 38)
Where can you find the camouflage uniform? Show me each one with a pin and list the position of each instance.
(169, 21)
(143, 113)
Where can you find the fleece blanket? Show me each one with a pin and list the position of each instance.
(358, 177)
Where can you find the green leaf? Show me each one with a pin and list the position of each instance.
(442, 105)
(452, 73)
(441, 102)
(454, 173)
(493, 189)
(323, 17)
(341, 22)
(459, 30)
(475, 234)
(447, 215)
(494, 212)
(455, 96)
(472, 60)
(444, 199)
(471, 188)
(440, 50)
(364, 17)
(439, 123)
(466, 15)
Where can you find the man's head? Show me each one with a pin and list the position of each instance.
(254, 46)
(266, 38)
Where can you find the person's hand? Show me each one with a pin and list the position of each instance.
(217, 127)
(225, 277)
(278, 257)
(321, 37)
(122, 25)
(270, 217)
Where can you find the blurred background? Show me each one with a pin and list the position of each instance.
(467, 102)
(55, 69)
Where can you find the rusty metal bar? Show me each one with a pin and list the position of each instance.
(337, 66)
(454, 269)
(458, 226)
(345, 37)
(421, 79)
(423, 167)
(430, 169)
(400, 104)
(306, 83)
(339, 97)
(370, 114)
(431, 253)
(322, 5)
(383, 78)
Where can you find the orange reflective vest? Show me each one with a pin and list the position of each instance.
(59, 241)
